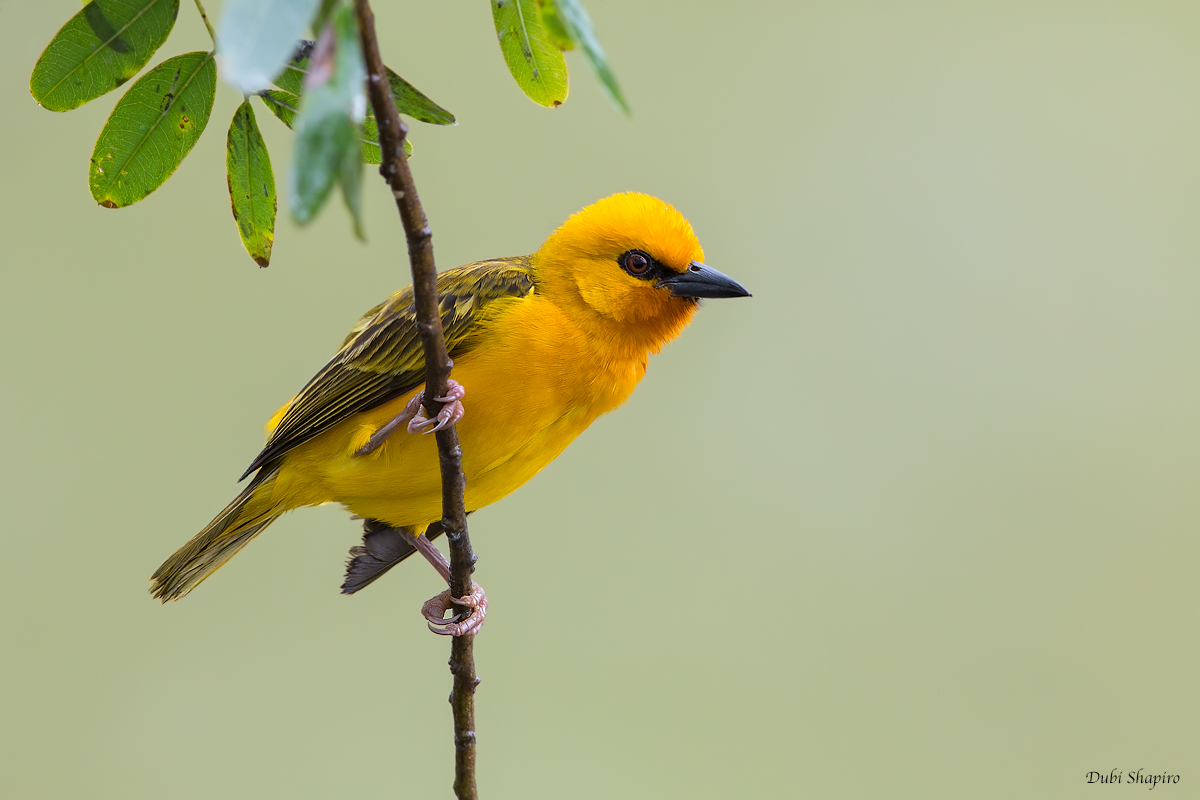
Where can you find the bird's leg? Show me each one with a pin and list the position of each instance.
(435, 608)
(414, 416)
(380, 436)
(431, 553)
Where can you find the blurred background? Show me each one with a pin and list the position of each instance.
(917, 520)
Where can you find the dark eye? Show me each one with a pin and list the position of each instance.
(637, 263)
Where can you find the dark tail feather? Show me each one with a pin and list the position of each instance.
(231, 530)
(383, 547)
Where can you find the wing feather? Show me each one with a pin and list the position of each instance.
(381, 358)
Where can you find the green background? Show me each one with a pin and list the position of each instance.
(918, 520)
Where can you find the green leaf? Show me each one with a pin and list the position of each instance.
(152, 129)
(409, 99)
(370, 136)
(321, 19)
(101, 47)
(578, 26)
(554, 25)
(350, 74)
(284, 104)
(532, 57)
(328, 141)
(350, 178)
(291, 78)
(251, 184)
(255, 39)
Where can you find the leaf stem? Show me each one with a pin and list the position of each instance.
(395, 170)
(207, 24)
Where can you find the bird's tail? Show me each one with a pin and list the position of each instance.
(231, 530)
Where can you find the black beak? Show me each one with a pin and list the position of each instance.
(702, 281)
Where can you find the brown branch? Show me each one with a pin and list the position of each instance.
(437, 371)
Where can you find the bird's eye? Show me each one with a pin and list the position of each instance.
(637, 263)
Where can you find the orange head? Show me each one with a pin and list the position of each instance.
(630, 268)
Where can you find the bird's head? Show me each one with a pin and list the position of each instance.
(632, 264)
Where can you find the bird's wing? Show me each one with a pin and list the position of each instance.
(382, 358)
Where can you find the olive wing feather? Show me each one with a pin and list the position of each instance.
(382, 358)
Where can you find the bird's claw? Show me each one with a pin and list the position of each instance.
(450, 413)
(461, 624)
(414, 417)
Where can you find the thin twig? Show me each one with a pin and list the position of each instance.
(395, 171)
(207, 24)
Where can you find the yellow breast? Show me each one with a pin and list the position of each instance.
(534, 382)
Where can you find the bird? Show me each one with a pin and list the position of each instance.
(542, 345)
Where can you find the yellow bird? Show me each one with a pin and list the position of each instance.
(544, 344)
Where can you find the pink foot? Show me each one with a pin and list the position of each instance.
(460, 624)
(414, 416)
(451, 412)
